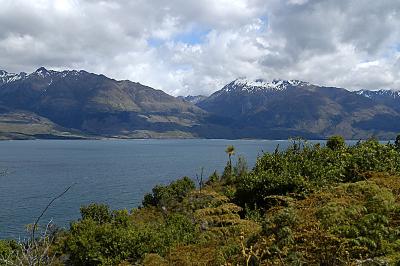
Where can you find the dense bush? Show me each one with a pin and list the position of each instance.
(97, 212)
(304, 168)
(365, 222)
(118, 238)
(163, 196)
(335, 143)
(353, 223)
(6, 248)
(397, 142)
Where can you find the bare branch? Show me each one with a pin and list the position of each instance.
(43, 212)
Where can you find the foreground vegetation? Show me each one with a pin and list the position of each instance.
(309, 204)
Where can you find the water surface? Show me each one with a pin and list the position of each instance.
(115, 172)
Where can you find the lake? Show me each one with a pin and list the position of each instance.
(114, 172)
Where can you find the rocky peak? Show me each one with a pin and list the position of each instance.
(379, 93)
(6, 77)
(248, 85)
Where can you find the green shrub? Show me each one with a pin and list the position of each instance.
(281, 227)
(227, 176)
(397, 142)
(240, 169)
(335, 143)
(304, 168)
(169, 195)
(109, 243)
(213, 178)
(7, 247)
(97, 212)
(365, 222)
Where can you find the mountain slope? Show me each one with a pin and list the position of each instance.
(6, 77)
(78, 103)
(390, 98)
(281, 109)
(193, 99)
(98, 105)
(20, 124)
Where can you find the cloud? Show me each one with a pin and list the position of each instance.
(195, 47)
(327, 41)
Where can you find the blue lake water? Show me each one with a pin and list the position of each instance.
(115, 172)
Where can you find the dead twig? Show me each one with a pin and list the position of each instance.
(45, 209)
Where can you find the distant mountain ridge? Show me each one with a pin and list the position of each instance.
(388, 97)
(244, 84)
(379, 93)
(280, 109)
(193, 99)
(79, 104)
(6, 77)
(96, 105)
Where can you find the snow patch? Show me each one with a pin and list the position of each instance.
(262, 85)
(6, 77)
(69, 72)
(42, 73)
(373, 93)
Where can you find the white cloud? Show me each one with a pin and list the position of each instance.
(344, 43)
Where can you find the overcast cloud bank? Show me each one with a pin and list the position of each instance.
(195, 47)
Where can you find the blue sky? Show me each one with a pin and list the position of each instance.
(191, 37)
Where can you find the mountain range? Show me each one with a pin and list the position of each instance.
(79, 104)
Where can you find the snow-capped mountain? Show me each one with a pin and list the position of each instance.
(44, 73)
(195, 99)
(40, 74)
(379, 93)
(79, 101)
(244, 96)
(283, 108)
(6, 77)
(387, 97)
(252, 86)
(96, 104)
